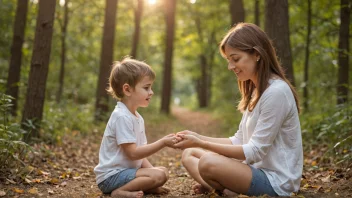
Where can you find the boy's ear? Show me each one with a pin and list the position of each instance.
(127, 89)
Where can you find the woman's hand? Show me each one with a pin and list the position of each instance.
(187, 132)
(188, 141)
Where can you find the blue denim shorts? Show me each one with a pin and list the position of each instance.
(260, 184)
(116, 181)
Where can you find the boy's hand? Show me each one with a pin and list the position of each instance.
(188, 141)
(170, 140)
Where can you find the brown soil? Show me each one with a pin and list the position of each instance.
(66, 170)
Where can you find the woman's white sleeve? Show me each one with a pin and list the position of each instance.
(237, 139)
(273, 110)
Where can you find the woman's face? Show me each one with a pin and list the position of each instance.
(242, 63)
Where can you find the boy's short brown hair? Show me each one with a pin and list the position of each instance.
(128, 71)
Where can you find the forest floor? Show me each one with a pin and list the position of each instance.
(66, 170)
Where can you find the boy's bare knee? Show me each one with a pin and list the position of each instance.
(160, 177)
(166, 171)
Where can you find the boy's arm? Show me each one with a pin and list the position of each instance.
(146, 163)
(206, 138)
(135, 153)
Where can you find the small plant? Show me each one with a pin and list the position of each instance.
(334, 128)
(13, 151)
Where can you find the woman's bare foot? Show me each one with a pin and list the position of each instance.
(199, 189)
(127, 194)
(159, 191)
(229, 193)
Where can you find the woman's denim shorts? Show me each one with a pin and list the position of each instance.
(260, 184)
(116, 181)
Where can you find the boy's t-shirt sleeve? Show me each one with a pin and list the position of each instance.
(124, 130)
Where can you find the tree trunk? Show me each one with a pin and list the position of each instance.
(33, 108)
(237, 11)
(306, 62)
(202, 82)
(343, 70)
(137, 23)
(277, 27)
(170, 8)
(63, 52)
(106, 59)
(257, 13)
(13, 78)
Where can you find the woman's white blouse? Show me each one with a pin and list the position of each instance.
(271, 138)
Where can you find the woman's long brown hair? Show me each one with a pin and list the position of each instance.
(251, 39)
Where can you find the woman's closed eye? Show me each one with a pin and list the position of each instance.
(235, 59)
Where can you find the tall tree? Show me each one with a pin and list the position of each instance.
(170, 9)
(276, 26)
(33, 108)
(343, 60)
(137, 23)
(257, 13)
(13, 78)
(306, 62)
(63, 26)
(237, 11)
(206, 56)
(106, 58)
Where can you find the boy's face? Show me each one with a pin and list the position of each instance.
(142, 93)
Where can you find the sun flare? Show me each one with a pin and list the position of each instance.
(152, 2)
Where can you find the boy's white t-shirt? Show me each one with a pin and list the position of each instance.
(271, 138)
(122, 127)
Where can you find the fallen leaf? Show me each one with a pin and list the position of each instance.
(303, 182)
(33, 190)
(63, 184)
(11, 181)
(40, 172)
(28, 181)
(327, 190)
(51, 192)
(77, 178)
(54, 181)
(306, 185)
(316, 176)
(318, 188)
(2, 193)
(18, 190)
(37, 180)
(314, 163)
(326, 179)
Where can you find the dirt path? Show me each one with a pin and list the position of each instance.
(67, 170)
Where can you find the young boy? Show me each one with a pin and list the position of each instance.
(123, 168)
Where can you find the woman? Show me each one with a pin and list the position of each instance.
(265, 155)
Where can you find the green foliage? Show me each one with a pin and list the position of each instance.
(64, 118)
(13, 151)
(333, 128)
(7, 13)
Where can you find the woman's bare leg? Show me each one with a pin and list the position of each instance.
(190, 160)
(222, 173)
(147, 179)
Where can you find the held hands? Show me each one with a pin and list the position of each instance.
(171, 139)
(188, 141)
(182, 140)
